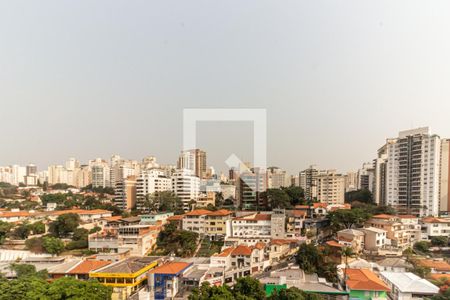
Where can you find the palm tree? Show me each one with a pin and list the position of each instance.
(347, 252)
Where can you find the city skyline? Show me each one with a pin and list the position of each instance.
(334, 84)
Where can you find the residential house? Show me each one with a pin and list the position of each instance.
(363, 284)
(374, 238)
(397, 233)
(351, 238)
(407, 286)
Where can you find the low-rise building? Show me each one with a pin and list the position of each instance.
(408, 286)
(435, 265)
(397, 233)
(393, 264)
(363, 284)
(434, 227)
(126, 276)
(374, 238)
(164, 280)
(352, 238)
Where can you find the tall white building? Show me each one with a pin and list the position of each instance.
(408, 170)
(150, 182)
(366, 177)
(186, 186)
(100, 173)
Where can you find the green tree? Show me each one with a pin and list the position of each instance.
(206, 292)
(296, 195)
(70, 288)
(37, 227)
(439, 241)
(249, 287)
(64, 225)
(34, 245)
(276, 198)
(21, 232)
(293, 294)
(347, 252)
(348, 218)
(308, 258)
(364, 196)
(422, 246)
(5, 228)
(52, 245)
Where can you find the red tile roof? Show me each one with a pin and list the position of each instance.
(282, 241)
(198, 212)
(438, 265)
(334, 244)
(220, 212)
(172, 268)
(407, 217)
(320, 204)
(242, 250)
(263, 217)
(175, 218)
(301, 207)
(260, 245)
(435, 220)
(365, 280)
(383, 216)
(87, 266)
(226, 252)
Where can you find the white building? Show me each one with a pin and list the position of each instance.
(434, 227)
(408, 286)
(253, 225)
(150, 182)
(374, 238)
(101, 176)
(186, 186)
(410, 181)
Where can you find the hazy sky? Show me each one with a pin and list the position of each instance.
(93, 78)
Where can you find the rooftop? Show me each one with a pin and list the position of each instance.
(365, 280)
(87, 266)
(128, 266)
(438, 265)
(410, 283)
(171, 268)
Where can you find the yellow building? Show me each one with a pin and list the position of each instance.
(125, 276)
(216, 222)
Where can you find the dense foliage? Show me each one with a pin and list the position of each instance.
(175, 241)
(364, 196)
(285, 197)
(246, 288)
(165, 201)
(31, 285)
(348, 218)
(312, 260)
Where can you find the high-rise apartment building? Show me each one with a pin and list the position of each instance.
(194, 160)
(308, 182)
(366, 177)
(444, 195)
(186, 185)
(125, 193)
(249, 187)
(407, 172)
(150, 182)
(277, 178)
(100, 173)
(330, 187)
